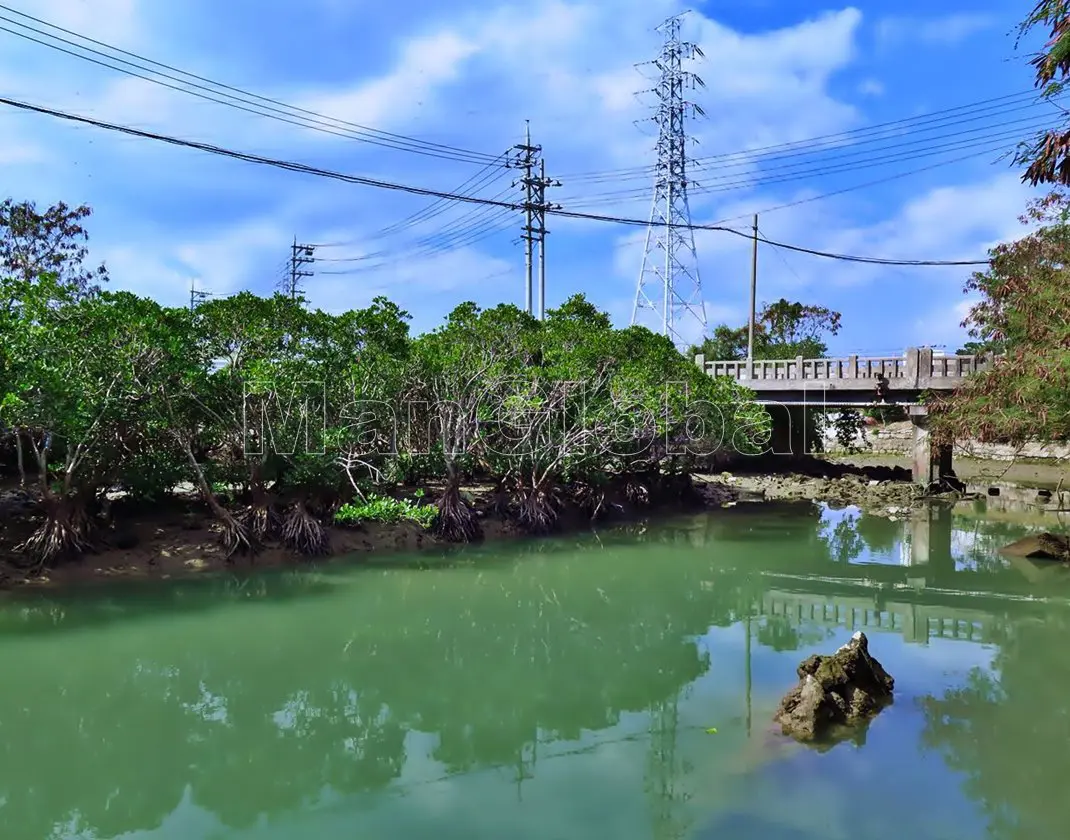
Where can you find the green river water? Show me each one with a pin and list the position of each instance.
(554, 690)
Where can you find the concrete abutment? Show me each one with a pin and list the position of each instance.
(931, 463)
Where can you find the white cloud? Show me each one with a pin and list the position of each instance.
(471, 80)
(871, 87)
(949, 30)
(223, 264)
(114, 21)
(424, 63)
(941, 327)
(921, 305)
(446, 278)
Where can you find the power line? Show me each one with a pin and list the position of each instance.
(867, 184)
(290, 113)
(759, 181)
(429, 247)
(484, 177)
(456, 233)
(292, 166)
(837, 140)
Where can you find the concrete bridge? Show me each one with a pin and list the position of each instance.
(790, 386)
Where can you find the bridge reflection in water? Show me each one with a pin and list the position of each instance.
(941, 576)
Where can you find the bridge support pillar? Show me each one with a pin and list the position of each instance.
(930, 540)
(931, 463)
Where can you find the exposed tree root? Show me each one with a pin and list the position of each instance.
(66, 534)
(303, 533)
(590, 498)
(539, 509)
(455, 522)
(502, 502)
(637, 492)
(261, 520)
(235, 536)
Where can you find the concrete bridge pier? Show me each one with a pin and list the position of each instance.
(931, 463)
(930, 540)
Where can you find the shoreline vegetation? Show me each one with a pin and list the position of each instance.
(301, 433)
(179, 537)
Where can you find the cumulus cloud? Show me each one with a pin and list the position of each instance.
(469, 76)
(946, 30)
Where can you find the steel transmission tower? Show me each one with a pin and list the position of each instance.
(669, 281)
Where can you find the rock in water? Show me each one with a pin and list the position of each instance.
(834, 692)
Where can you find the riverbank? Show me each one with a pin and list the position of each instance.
(182, 540)
(1033, 473)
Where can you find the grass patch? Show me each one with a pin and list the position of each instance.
(387, 511)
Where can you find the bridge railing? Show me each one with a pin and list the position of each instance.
(916, 366)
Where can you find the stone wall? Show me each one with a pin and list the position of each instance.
(897, 439)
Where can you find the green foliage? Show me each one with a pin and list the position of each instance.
(1047, 155)
(849, 427)
(299, 411)
(782, 330)
(385, 510)
(886, 413)
(1024, 314)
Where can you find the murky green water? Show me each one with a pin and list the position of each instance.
(552, 691)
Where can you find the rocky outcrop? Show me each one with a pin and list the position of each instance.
(835, 693)
(880, 497)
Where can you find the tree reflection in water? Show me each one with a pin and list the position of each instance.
(256, 697)
(1007, 731)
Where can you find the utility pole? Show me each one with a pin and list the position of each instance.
(525, 160)
(299, 255)
(753, 292)
(535, 208)
(673, 288)
(540, 231)
(196, 295)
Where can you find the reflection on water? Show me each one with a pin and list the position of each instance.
(558, 689)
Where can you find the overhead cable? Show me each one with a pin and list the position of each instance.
(293, 166)
(241, 99)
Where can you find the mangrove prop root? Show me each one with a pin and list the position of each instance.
(303, 533)
(637, 493)
(590, 499)
(538, 511)
(261, 520)
(64, 535)
(236, 538)
(455, 522)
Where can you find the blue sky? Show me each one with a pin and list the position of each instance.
(467, 73)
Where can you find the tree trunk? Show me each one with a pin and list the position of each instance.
(20, 457)
(234, 536)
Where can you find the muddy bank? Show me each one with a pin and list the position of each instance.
(973, 471)
(181, 539)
